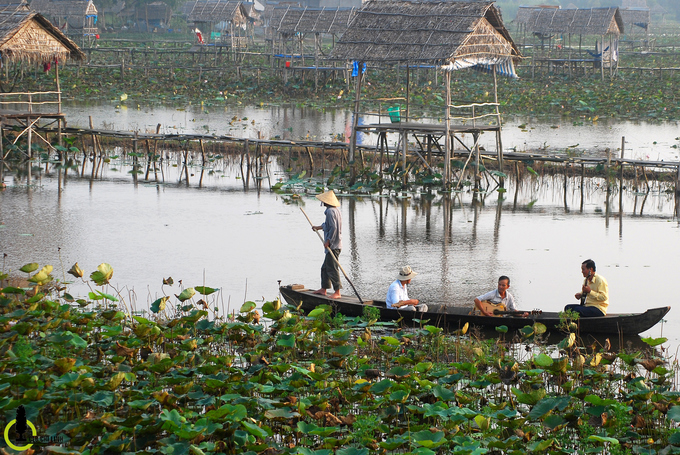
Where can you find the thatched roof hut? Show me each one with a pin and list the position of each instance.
(639, 17)
(524, 12)
(27, 36)
(69, 15)
(217, 11)
(453, 34)
(581, 21)
(156, 14)
(289, 20)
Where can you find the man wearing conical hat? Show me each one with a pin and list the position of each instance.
(332, 233)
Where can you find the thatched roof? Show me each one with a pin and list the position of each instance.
(453, 34)
(216, 11)
(581, 21)
(640, 17)
(524, 12)
(65, 8)
(288, 20)
(27, 36)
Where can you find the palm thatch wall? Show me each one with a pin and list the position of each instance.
(290, 20)
(442, 33)
(581, 21)
(28, 37)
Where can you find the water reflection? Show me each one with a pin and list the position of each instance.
(222, 227)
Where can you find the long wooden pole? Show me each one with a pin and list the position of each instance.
(333, 256)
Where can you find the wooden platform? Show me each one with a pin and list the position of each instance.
(424, 128)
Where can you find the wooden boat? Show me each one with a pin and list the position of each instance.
(453, 317)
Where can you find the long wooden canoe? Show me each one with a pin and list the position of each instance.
(452, 317)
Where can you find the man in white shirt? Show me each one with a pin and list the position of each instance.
(397, 294)
(500, 295)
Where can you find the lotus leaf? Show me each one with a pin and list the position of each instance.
(597, 438)
(352, 451)
(654, 341)
(102, 275)
(255, 430)
(76, 271)
(286, 340)
(205, 290)
(540, 446)
(548, 404)
(343, 351)
(43, 276)
(28, 268)
(392, 443)
(159, 304)
(428, 439)
(316, 312)
(543, 360)
(186, 294)
(381, 387)
(529, 398)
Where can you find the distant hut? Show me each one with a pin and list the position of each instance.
(220, 21)
(636, 19)
(605, 23)
(27, 37)
(289, 23)
(73, 17)
(152, 16)
(451, 35)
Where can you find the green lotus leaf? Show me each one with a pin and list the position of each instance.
(543, 360)
(597, 438)
(159, 304)
(28, 268)
(102, 275)
(316, 312)
(186, 294)
(255, 430)
(205, 290)
(655, 341)
(43, 276)
(12, 290)
(381, 387)
(502, 329)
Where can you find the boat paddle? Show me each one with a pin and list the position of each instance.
(333, 256)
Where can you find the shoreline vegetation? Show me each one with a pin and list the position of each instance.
(185, 378)
(639, 90)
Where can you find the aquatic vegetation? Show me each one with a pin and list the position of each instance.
(185, 378)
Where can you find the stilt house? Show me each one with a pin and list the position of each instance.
(604, 25)
(220, 21)
(296, 24)
(28, 38)
(449, 35)
(73, 17)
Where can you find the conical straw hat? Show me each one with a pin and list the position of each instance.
(328, 198)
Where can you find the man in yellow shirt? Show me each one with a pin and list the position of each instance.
(594, 295)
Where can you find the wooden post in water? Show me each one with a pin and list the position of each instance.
(135, 159)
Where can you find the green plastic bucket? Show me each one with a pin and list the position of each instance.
(395, 114)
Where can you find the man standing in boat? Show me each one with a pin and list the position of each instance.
(397, 294)
(594, 295)
(332, 241)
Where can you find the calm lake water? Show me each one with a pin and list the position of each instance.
(644, 140)
(246, 241)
